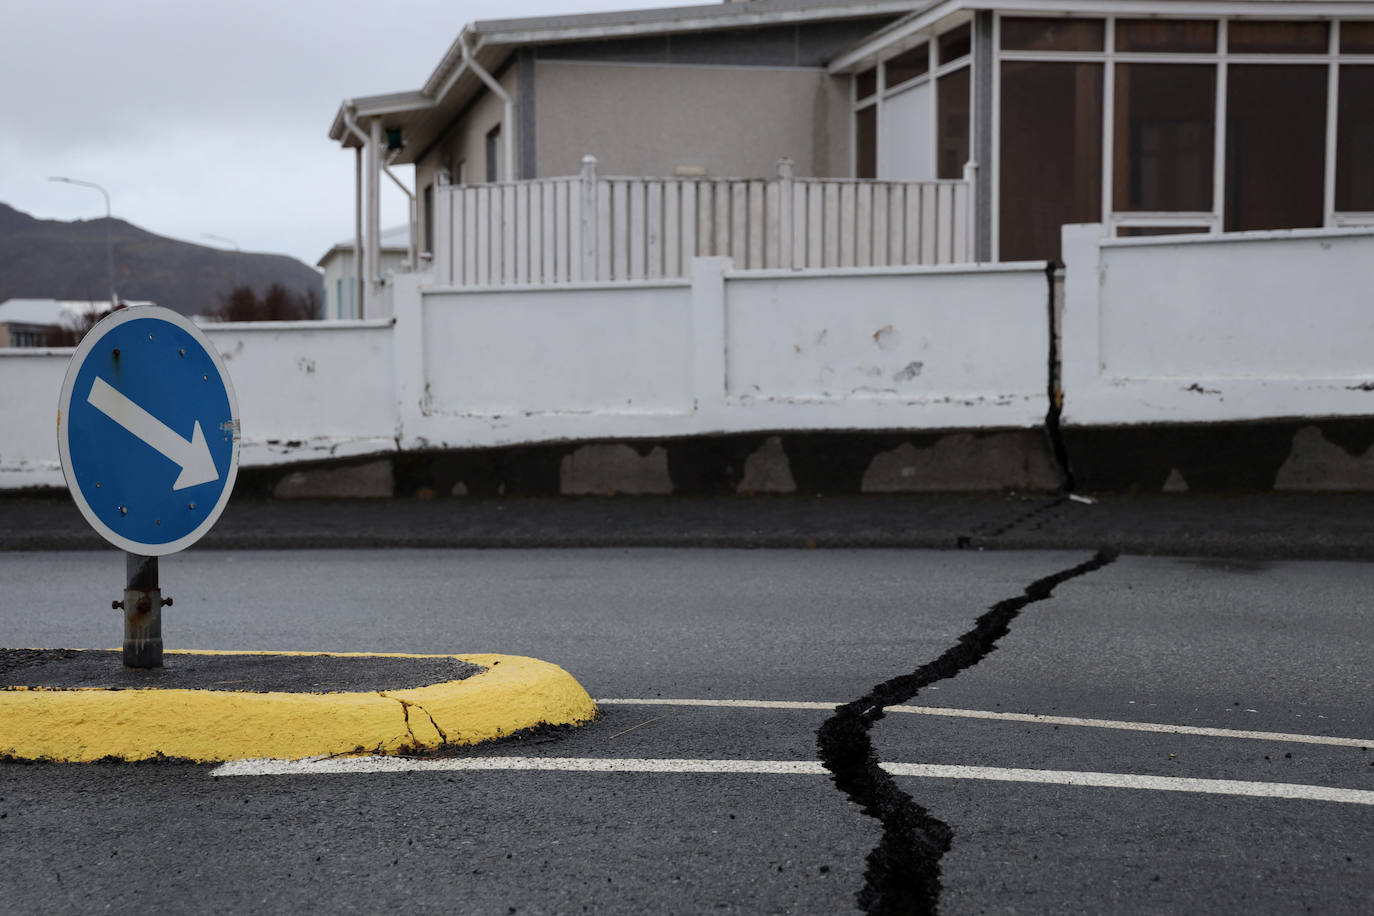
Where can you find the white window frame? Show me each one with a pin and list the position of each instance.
(936, 69)
(1220, 58)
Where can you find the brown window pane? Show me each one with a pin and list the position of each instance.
(907, 66)
(1163, 137)
(866, 83)
(1257, 37)
(1057, 34)
(954, 44)
(866, 142)
(1355, 139)
(1051, 158)
(1275, 146)
(1357, 37)
(1186, 36)
(1130, 232)
(952, 116)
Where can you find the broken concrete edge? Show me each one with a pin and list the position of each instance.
(87, 724)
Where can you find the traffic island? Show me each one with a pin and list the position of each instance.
(72, 705)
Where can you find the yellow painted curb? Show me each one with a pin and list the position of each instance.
(92, 723)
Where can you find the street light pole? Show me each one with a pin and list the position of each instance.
(109, 245)
(238, 252)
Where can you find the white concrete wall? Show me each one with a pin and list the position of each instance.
(307, 390)
(937, 348)
(310, 389)
(30, 384)
(1241, 326)
(901, 348)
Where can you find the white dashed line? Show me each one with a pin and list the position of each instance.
(1158, 727)
(346, 766)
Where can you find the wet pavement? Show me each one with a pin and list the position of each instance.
(1259, 526)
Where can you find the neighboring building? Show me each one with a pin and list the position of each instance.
(29, 322)
(341, 271)
(1149, 116)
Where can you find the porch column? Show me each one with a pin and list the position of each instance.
(359, 290)
(981, 142)
(374, 204)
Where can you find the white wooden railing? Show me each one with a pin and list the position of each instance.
(594, 229)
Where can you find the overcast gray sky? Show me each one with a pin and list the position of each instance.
(214, 118)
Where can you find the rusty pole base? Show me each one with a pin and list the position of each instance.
(142, 613)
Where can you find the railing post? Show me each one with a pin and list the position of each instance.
(589, 217)
(441, 245)
(971, 220)
(785, 227)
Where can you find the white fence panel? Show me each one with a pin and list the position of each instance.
(595, 229)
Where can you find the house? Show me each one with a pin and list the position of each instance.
(40, 322)
(1128, 242)
(340, 267)
(1147, 116)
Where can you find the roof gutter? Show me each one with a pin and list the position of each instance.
(470, 62)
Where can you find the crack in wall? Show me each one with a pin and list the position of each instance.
(903, 873)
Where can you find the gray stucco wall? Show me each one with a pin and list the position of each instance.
(465, 140)
(645, 119)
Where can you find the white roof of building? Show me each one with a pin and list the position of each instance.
(67, 312)
(397, 238)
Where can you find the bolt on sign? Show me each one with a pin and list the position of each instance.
(148, 431)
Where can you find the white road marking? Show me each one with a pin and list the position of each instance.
(1159, 727)
(344, 766)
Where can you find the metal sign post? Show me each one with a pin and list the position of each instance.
(148, 433)
(142, 604)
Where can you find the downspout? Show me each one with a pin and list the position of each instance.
(410, 195)
(508, 128)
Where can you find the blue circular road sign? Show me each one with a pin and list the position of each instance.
(148, 431)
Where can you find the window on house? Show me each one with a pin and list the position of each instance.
(1177, 36)
(1133, 232)
(1275, 146)
(1057, 34)
(1355, 139)
(1357, 37)
(1252, 36)
(908, 65)
(952, 120)
(338, 298)
(429, 218)
(955, 43)
(1050, 166)
(1163, 137)
(866, 142)
(493, 154)
(865, 83)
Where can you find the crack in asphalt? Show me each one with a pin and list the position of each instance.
(903, 874)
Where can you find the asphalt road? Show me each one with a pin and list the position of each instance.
(1280, 648)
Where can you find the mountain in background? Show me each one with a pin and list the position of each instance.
(52, 259)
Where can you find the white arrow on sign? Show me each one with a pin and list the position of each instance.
(194, 459)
